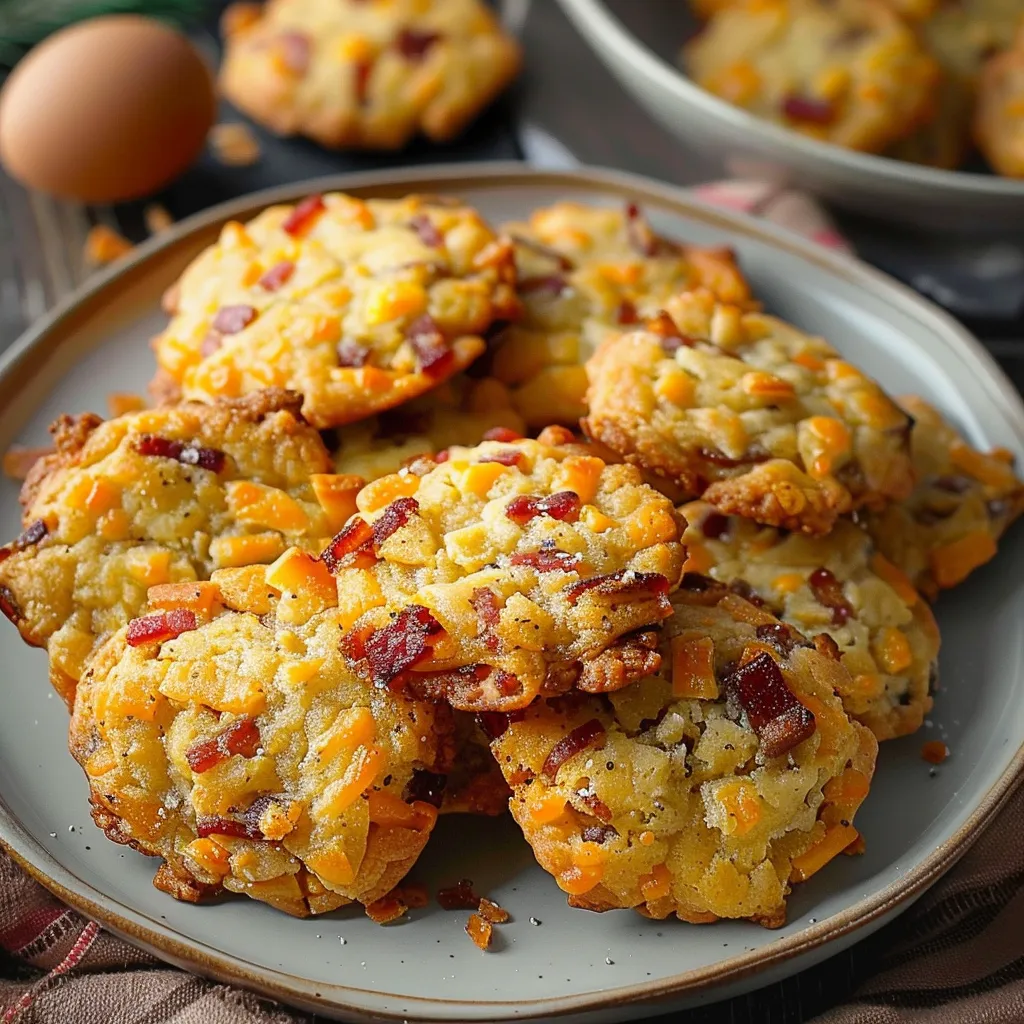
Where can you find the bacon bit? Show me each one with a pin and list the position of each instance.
(279, 274)
(641, 235)
(189, 454)
(351, 353)
(354, 544)
(624, 583)
(387, 909)
(433, 352)
(829, 591)
(232, 319)
(589, 734)
(242, 738)
(503, 434)
(506, 457)
(778, 718)
(396, 648)
(30, 536)
(551, 560)
(480, 931)
(596, 806)
(459, 687)
(104, 245)
(485, 604)
(305, 214)
(210, 343)
(564, 263)
(427, 232)
(161, 626)
(809, 110)
(9, 603)
(627, 313)
(219, 826)
(934, 751)
(362, 71)
(781, 637)
(413, 45)
(717, 458)
(458, 897)
(553, 284)
(393, 518)
(827, 647)
(564, 506)
(295, 51)
(413, 894)
(599, 834)
(426, 786)
(496, 723)
(627, 660)
(234, 145)
(18, 460)
(715, 525)
(491, 911)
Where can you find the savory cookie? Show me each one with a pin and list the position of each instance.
(703, 791)
(359, 306)
(245, 753)
(963, 503)
(762, 420)
(504, 571)
(885, 632)
(999, 115)
(157, 497)
(849, 72)
(583, 271)
(352, 74)
(460, 411)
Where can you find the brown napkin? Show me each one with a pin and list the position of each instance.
(956, 955)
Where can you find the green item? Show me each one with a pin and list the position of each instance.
(23, 23)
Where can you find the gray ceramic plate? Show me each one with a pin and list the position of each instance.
(639, 41)
(426, 968)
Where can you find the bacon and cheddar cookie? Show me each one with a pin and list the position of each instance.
(584, 271)
(851, 72)
(999, 115)
(158, 497)
(705, 790)
(963, 503)
(761, 419)
(503, 571)
(359, 306)
(884, 630)
(351, 74)
(244, 752)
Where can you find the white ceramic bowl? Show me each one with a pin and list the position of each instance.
(639, 41)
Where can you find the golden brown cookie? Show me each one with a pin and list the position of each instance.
(705, 790)
(584, 271)
(761, 419)
(999, 115)
(157, 497)
(352, 74)
(503, 571)
(359, 306)
(244, 752)
(963, 503)
(837, 585)
(849, 72)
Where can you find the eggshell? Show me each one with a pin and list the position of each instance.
(108, 109)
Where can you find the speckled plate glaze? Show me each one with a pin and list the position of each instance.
(639, 42)
(551, 961)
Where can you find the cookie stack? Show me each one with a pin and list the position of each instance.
(362, 566)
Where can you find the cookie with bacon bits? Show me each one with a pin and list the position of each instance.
(584, 271)
(839, 588)
(705, 790)
(746, 410)
(240, 748)
(503, 571)
(850, 72)
(359, 306)
(356, 75)
(163, 496)
(964, 500)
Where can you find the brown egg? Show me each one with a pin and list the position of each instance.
(111, 108)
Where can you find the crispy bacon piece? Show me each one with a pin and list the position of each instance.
(642, 237)
(397, 647)
(276, 276)
(485, 604)
(413, 45)
(351, 353)
(393, 518)
(433, 352)
(351, 547)
(598, 833)
(30, 536)
(491, 911)
(459, 687)
(459, 896)
(714, 525)
(783, 638)
(503, 434)
(496, 723)
(189, 454)
(563, 262)
(589, 734)
(232, 319)
(295, 51)
(809, 110)
(9, 605)
(551, 284)
(626, 583)
(362, 71)
(596, 806)
(242, 739)
(670, 337)
(160, 626)
(778, 718)
(220, 826)
(627, 313)
(829, 591)
(427, 232)
(630, 658)
(564, 506)
(548, 560)
(304, 216)
(506, 457)
(426, 786)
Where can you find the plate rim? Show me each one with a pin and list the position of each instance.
(164, 942)
(598, 19)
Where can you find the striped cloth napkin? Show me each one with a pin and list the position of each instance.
(956, 955)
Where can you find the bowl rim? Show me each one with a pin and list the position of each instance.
(601, 22)
(41, 343)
